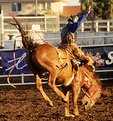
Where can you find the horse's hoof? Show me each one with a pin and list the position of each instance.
(76, 114)
(50, 104)
(64, 100)
(70, 115)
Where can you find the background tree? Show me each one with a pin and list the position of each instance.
(111, 14)
(103, 9)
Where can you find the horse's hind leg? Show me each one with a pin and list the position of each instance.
(40, 88)
(51, 83)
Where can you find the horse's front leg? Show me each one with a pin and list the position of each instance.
(76, 91)
(67, 110)
(66, 91)
(40, 88)
(51, 83)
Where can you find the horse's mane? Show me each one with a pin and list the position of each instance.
(94, 78)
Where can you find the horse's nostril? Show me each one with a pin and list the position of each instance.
(86, 103)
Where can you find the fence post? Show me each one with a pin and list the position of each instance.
(2, 22)
(45, 22)
(22, 78)
(96, 26)
(82, 25)
(58, 19)
(108, 26)
(2, 27)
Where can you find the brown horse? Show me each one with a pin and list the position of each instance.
(57, 62)
(61, 72)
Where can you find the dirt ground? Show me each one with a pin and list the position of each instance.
(25, 103)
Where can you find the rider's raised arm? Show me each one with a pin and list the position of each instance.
(83, 16)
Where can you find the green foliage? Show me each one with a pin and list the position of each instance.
(103, 9)
(84, 4)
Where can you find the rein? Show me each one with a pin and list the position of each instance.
(91, 86)
(70, 53)
(89, 96)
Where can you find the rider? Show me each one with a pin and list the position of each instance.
(68, 33)
(68, 36)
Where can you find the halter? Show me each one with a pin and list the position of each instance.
(89, 96)
(91, 85)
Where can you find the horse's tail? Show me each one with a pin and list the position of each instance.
(26, 39)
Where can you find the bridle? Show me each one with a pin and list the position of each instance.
(90, 86)
(87, 94)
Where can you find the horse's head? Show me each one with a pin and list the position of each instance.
(92, 95)
(90, 64)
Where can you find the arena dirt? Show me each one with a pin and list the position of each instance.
(25, 103)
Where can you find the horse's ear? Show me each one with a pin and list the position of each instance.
(90, 54)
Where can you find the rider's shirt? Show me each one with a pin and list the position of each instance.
(68, 32)
(73, 27)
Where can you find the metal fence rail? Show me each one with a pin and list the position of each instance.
(46, 23)
(21, 80)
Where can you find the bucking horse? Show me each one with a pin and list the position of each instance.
(45, 57)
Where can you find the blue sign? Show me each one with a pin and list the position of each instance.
(103, 57)
(14, 62)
